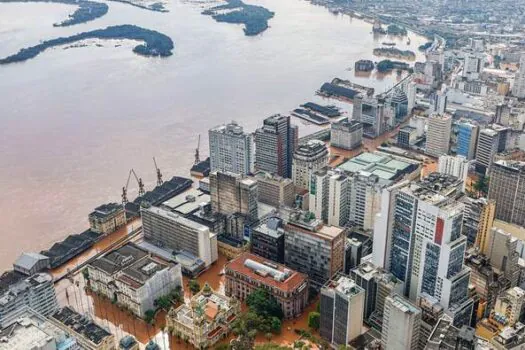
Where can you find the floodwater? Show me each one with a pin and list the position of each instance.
(75, 121)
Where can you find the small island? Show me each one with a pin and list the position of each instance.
(155, 44)
(425, 46)
(393, 52)
(254, 18)
(86, 11)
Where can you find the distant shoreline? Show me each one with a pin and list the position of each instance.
(155, 44)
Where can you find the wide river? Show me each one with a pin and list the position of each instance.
(73, 122)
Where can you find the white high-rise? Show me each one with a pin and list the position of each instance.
(330, 196)
(231, 149)
(401, 324)
(519, 81)
(438, 134)
(454, 165)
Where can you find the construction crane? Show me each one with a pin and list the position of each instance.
(197, 158)
(125, 189)
(159, 174)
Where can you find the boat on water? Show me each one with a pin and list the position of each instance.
(389, 44)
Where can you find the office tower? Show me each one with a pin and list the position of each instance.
(233, 194)
(169, 230)
(431, 312)
(275, 143)
(325, 246)
(457, 166)
(490, 141)
(407, 136)
(418, 238)
(399, 104)
(472, 66)
(510, 305)
(411, 96)
(231, 149)
(275, 190)
(308, 158)
(519, 82)
(438, 134)
(329, 196)
(439, 103)
(357, 246)
(374, 113)
(346, 134)
(401, 323)
(19, 292)
(502, 253)
(341, 309)
(267, 239)
(477, 221)
(467, 140)
(249, 272)
(507, 189)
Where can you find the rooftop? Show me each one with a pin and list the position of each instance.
(437, 189)
(343, 285)
(106, 210)
(187, 202)
(231, 129)
(511, 164)
(268, 272)
(403, 304)
(385, 166)
(175, 217)
(81, 325)
(28, 260)
(272, 227)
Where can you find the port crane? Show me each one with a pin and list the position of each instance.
(159, 174)
(197, 157)
(125, 189)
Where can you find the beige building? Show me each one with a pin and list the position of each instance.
(307, 158)
(275, 190)
(107, 218)
(206, 320)
(510, 305)
(249, 272)
(438, 134)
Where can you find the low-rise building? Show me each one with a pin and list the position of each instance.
(107, 218)
(205, 320)
(133, 278)
(249, 272)
(88, 334)
(512, 337)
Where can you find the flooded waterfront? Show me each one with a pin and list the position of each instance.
(75, 121)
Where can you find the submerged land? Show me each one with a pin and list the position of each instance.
(254, 18)
(155, 44)
(86, 11)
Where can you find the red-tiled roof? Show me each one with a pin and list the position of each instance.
(291, 283)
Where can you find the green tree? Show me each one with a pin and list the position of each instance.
(264, 304)
(194, 286)
(149, 316)
(85, 273)
(163, 302)
(482, 185)
(222, 347)
(276, 324)
(314, 320)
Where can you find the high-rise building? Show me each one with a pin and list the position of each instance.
(308, 158)
(275, 190)
(346, 134)
(472, 66)
(401, 323)
(267, 239)
(490, 141)
(438, 134)
(341, 309)
(231, 149)
(507, 189)
(519, 82)
(407, 136)
(275, 144)
(313, 248)
(232, 194)
(166, 229)
(374, 113)
(467, 140)
(330, 196)
(503, 255)
(439, 103)
(457, 166)
(418, 238)
(477, 221)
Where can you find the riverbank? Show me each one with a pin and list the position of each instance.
(155, 44)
